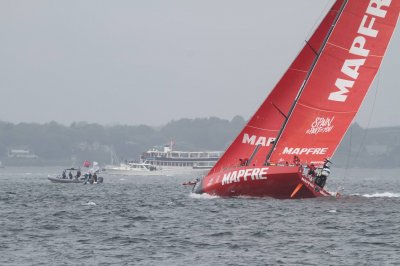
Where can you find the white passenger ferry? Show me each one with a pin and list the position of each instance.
(168, 159)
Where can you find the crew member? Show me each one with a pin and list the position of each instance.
(296, 160)
(243, 162)
(311, 170)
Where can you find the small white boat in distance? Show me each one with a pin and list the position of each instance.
(132, 169)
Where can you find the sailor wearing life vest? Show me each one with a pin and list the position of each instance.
(323, 174)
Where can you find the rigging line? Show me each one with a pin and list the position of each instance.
(321, 16)
(317, 21)
(347, 165)
(369, 119)
(279, 110)
(312, 48)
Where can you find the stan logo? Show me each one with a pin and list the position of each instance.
(321, 125)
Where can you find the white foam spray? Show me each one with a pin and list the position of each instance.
(202, 196)
(382, 195)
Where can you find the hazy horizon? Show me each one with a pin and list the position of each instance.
(151, 62)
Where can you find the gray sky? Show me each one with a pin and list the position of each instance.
(151, 61)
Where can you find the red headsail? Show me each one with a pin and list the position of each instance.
(264, 126)
(339, 81)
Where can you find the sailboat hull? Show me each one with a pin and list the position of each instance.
(282, 182)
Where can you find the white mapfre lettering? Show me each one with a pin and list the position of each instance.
(307, 151)
(255, 140)
(245, 175)
(351, 66)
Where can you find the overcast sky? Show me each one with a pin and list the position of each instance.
(151, 61)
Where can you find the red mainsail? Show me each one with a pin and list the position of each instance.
(264, 126)
(338, 82)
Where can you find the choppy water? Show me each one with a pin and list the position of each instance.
(156, 221)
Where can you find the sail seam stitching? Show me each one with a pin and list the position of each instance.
(347, 50)
(327, 111)
(296, 69)
(265, 129)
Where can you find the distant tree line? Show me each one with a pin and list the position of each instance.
(55, 143)
(369, 148)
(59, 144)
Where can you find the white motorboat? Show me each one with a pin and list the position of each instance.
(132, 169)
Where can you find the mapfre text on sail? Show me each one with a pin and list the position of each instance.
(376, 8)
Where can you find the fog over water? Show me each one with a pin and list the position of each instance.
(148, 62)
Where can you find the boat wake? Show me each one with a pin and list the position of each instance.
(202, 196)
(90, 203)
(382, 195)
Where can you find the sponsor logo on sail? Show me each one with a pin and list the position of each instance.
(244, 175)
(307, 151)
(375, 9)
(257, 140)
(321, 125)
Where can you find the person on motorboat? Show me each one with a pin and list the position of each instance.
(70, 175)
(64, 174)
(95, 177)
(78, 174)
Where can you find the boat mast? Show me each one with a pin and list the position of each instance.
(306, 79)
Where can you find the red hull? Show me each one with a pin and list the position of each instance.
(270, 181)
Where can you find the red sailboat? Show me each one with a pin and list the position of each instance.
(282, 151)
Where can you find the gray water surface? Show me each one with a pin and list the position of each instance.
(157, 221)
